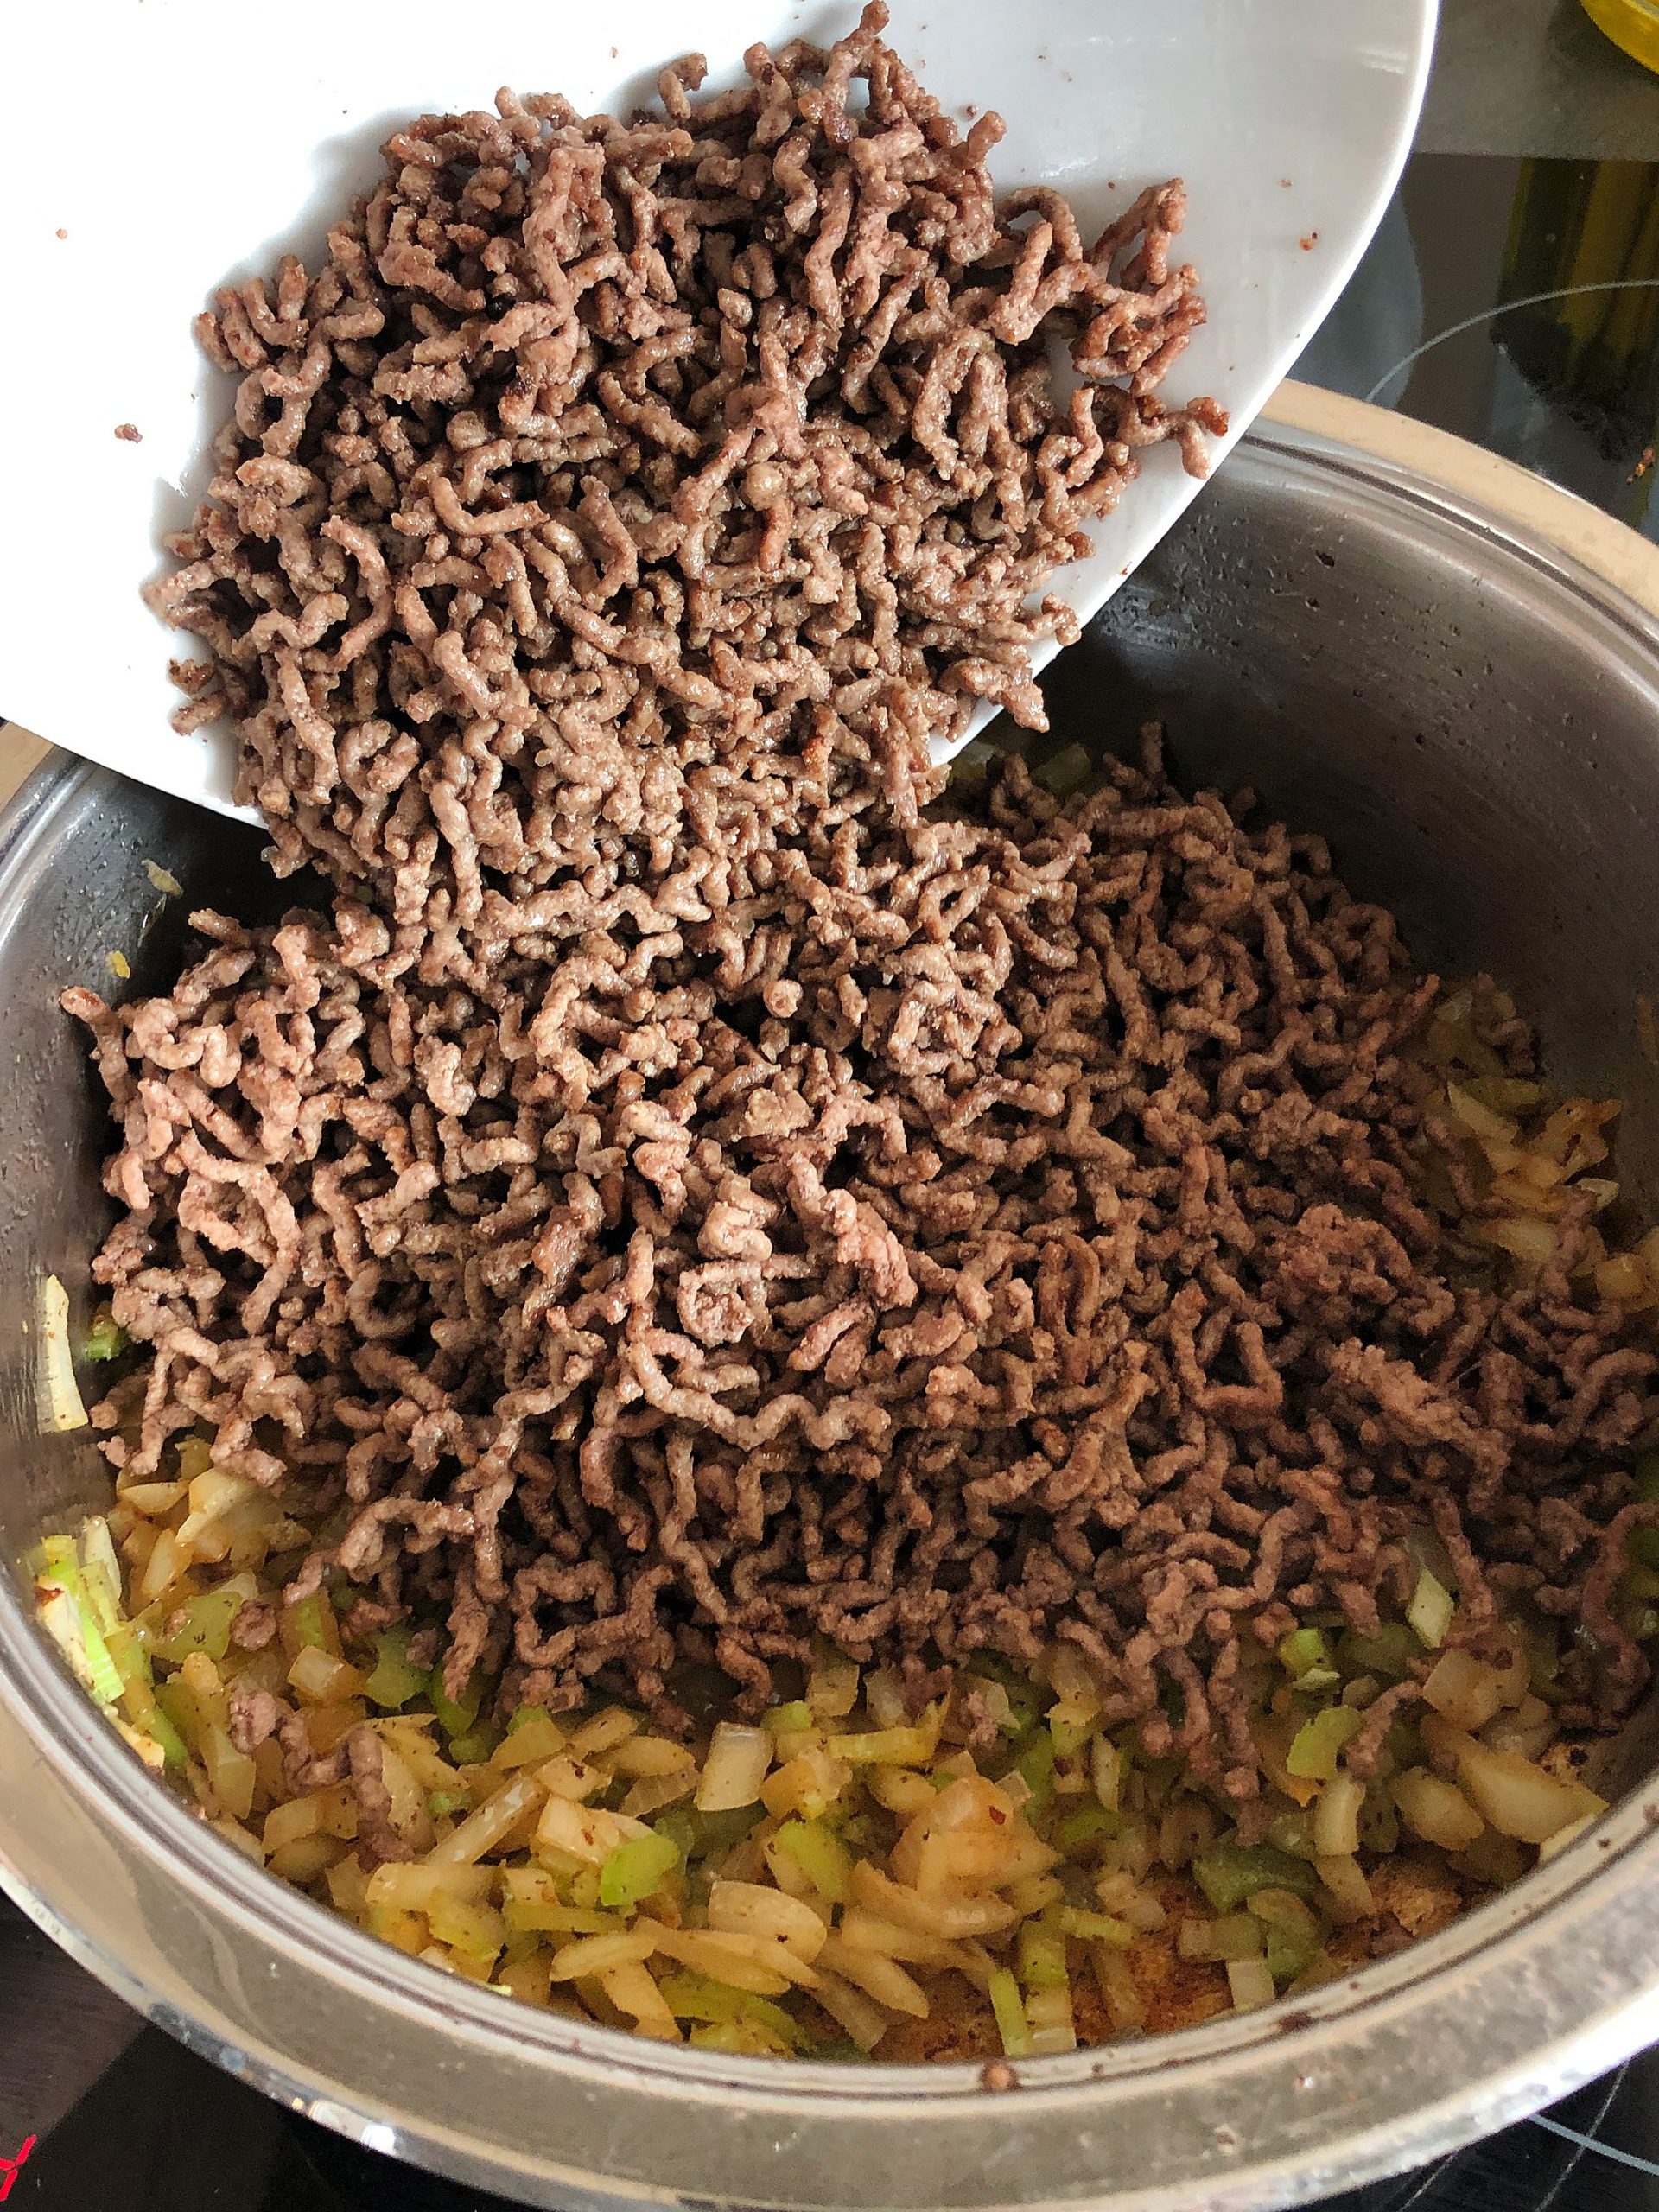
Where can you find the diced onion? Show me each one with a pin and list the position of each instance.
(1519, 1798)
(1429, 1613)
(753, 1908)
(735, 1769)
(1250, 1983)
(1436, 1810)
(1464, 1690)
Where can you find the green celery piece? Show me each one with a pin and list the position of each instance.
(743, 2038)
(694, 1997)
(102, 1572)
(106, 1339)
(1095, 1927)
(1034, 1759)
(306, 1618)
(637, 1869)
(1009, 2009)
(1431, 1610)
(455, 1716)
(1293, 1831)
(392, 1681)
(1071, 1735)
(178, 1708)
(1227, 1873)
(1317, 1744)
(1291, 1951)
(473, 1748)
(679, 1824)
(440, 1802)
(821, 1856)
(788, 1719)
(1393, 1650)
(206, 1627)
(1042, 1956)
(1303, 1649)
(522, 1717)
(78, 1634)
(1088, 1824)
(717, 1832)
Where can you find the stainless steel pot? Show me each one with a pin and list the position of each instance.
(1472, 717)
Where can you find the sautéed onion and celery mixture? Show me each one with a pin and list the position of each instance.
(758, 1394)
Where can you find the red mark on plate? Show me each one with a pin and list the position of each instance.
(10, 2168)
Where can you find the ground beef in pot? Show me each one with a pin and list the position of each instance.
(704, 1187)
(1052, 1265)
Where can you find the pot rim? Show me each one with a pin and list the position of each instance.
(1540, 1988)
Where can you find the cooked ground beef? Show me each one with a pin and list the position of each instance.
(1006, 1228)
(604, 463)
(710, 1190)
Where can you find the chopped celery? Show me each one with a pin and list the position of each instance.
(1292, 1831)
(205, 1625)
(694, 1997)
(714, 1834)
(821, 1856)
(1291, 1951)
(1071, 1727)
(106, 1339)
(745, 2038)
(455, 1716)
(440, 1802)
(636, 1869)
(179, 1709)
(1303, 1649)
(69, 1617)
(1095, 1927)
(1011, 2022)
(1315, 1746)
(1042, 1956)
(473, 1748)
(1227, 1873)
(307, 1619)
(523, 1715)
(1392, 1651)
(392, 1681)
(102, 1572)
(788, 1719)
(1088, 1824)
(1430, 1611)
(1034, 1761)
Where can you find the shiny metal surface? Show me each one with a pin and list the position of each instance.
(1475, 724)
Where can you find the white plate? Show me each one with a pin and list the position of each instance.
(155, 147)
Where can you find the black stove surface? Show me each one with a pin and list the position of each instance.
(1514, 302)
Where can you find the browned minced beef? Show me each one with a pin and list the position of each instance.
(966, 1227)
(603, 461)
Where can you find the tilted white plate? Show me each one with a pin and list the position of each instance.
(155, 147)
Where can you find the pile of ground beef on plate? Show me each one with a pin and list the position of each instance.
(701, 1188)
